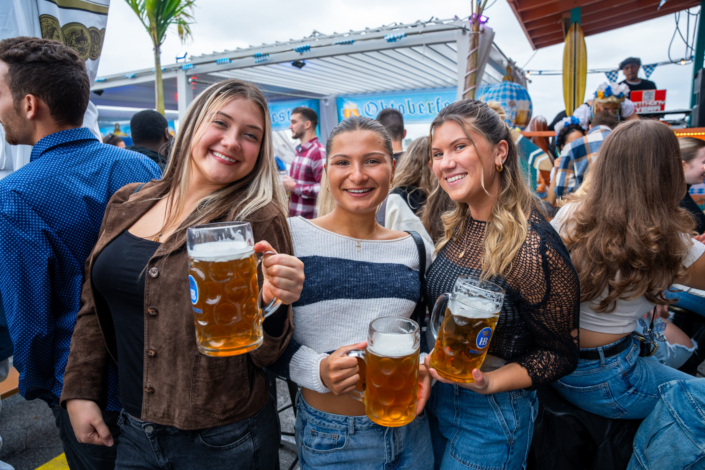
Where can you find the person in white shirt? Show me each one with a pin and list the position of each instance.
(629, 242)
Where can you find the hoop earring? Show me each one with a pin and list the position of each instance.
(500, 168)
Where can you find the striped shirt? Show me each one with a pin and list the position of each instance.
(576, 158)
(345, 290)
(306, 170)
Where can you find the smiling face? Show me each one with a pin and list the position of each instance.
(229, 145)
(459, 168)
(17, 129)
(695, 169)
(359, 171)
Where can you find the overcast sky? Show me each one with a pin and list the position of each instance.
(227, 24)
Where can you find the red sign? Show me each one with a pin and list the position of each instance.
(648, 101)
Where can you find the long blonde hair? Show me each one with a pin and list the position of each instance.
(240, 198)
(628, 234)
(507, 225)
(414, 170)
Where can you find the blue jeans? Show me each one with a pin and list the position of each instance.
(248, 444)
(673, 436)
(482, 432)
(671, 355)
(326, 440)
(621, 386)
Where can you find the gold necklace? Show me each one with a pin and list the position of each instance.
(357, 241)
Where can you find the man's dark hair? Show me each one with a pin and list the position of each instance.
(112, 139)
(604, 118)
(147, 127)
(630, 60)
(308, 114)
(50, 71)
(393, 121)
(565, 132)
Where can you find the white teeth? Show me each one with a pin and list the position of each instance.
(220, 155)
(358, 191)
(456, 178)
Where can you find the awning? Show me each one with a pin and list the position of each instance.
(545, 22)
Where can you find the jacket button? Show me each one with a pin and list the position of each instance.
(154, 272)
(153, 311)
(149, 389)
(152, 352)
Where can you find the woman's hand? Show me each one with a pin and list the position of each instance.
(87, 422)
(283, 275)
(424, 392)
(340, 372)
(482, 384)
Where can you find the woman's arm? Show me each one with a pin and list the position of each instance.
(696, 271)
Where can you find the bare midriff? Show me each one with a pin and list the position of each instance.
(593, 339)
(335, 404)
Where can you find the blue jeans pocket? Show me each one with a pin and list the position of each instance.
(596, 399)
(226, 437)
(320, 439)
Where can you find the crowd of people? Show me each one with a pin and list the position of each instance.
(97, 300)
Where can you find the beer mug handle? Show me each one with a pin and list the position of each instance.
(275, 303)
(359, 354)
(435, 323)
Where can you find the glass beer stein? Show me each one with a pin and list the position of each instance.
(222, 279)
(463, 337)
(392, 371)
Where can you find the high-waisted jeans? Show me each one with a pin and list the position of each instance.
(621, 386)
(481, 432)
(337, 442)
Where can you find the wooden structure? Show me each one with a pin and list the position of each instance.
(545, 22)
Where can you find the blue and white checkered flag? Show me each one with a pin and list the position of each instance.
(613, 75)
(661, 4)
(649, 69)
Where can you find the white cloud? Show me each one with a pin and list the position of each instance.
(225, 24)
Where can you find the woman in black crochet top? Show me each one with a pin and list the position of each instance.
(495, 232)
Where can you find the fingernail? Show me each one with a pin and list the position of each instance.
(110, 443)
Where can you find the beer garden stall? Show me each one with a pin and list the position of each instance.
(414, 68)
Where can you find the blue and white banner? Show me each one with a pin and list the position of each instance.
(281, 112)
(416, 105)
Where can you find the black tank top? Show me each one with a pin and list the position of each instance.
(118, 275)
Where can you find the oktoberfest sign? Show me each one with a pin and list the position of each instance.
(416, 105)
(281, 112)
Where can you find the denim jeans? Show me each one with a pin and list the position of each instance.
(673, 436)
(249, 444)
(338, 442)
(671, 355)
(621, 386)
(87, 456)
(481, 432)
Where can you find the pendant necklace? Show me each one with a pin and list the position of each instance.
(357, 241)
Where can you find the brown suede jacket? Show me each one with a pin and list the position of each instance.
(182, 388)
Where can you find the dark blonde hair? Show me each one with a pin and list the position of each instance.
(414, 170)
(507, 225)
(240, 198)
(628, 234)
(690, 146)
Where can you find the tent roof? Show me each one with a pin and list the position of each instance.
(419, 55)
(545, 21)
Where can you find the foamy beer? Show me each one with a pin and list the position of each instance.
(392, 372)
(224, 290)
(463, 338)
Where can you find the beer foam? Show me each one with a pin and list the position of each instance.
(224, 250)
(473, 307)
(392, 345)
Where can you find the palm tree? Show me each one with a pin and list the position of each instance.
(157, 16)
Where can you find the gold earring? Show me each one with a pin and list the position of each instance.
(499, 167)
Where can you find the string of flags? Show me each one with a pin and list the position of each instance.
(613, 75)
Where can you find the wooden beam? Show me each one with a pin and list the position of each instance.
(524, 5)
(629, 18)
(559, 6)
(554, 20)
(513, 6)
(555, 38)
(546, 31)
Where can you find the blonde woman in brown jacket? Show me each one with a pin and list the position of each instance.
(182, 409)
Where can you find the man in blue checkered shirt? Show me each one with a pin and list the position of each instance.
(577, 156)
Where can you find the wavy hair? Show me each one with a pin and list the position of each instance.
(240, 198)
(626, 235)
(507, 225)
(414, 170)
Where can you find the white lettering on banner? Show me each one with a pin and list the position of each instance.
(415, 105)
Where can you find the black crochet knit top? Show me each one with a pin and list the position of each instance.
(542, 298)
